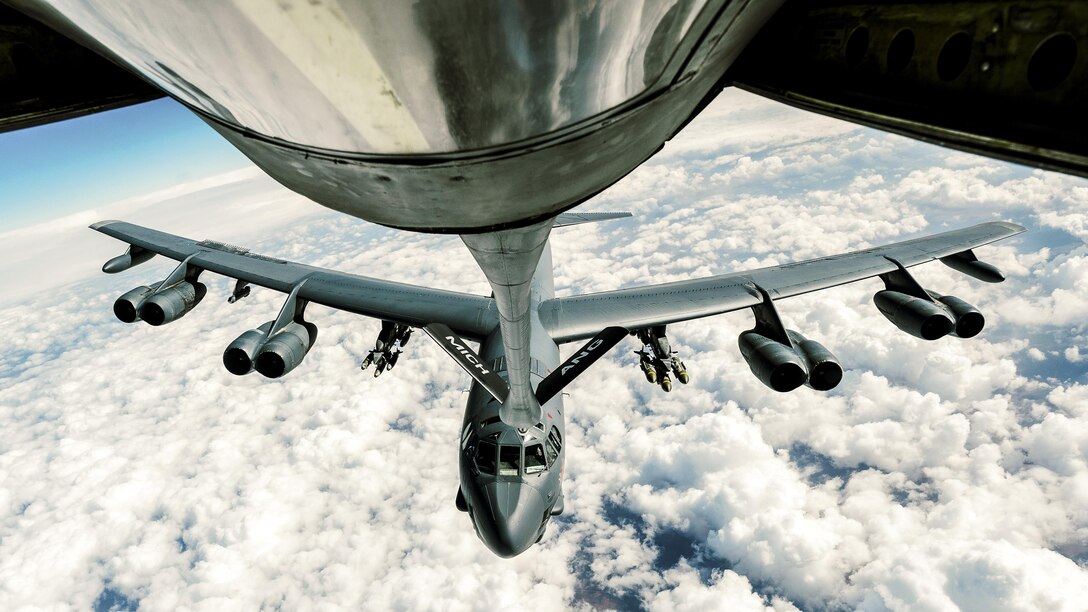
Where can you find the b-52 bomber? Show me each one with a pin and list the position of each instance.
(495, 120)
(511, 450)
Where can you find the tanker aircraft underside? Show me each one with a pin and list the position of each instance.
(511, 468)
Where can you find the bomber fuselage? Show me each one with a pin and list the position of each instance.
(511, 478)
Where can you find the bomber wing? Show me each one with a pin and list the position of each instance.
(276, 347)
(470, 315)
(579, 317)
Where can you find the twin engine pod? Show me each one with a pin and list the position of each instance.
(784, 368)
(930, 320)
(159, 306)
(273, 357)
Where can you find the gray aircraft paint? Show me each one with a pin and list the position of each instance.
(404, 114)
(510, 260)
(510, 514)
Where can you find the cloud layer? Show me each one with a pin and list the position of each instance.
(138, 472)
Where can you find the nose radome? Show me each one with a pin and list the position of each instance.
(506, 544)
(516, 510)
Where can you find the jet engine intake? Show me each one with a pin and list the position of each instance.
(240, 354)
(916, 316)
(127, 307)
(969, 321)
(284, 351)
(824, 370)
(169, 305)
(774, 364)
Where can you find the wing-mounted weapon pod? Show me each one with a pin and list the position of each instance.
(656, 358)
(929, 315)
(387, 347)
(162, 302)
(782, 358)
(276, 347)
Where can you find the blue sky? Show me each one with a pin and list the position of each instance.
(61, 168)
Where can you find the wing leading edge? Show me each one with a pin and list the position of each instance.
(579, 317)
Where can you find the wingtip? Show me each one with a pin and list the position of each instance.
(1012, 227)
(101, 224)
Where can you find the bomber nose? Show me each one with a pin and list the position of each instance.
(512, 517)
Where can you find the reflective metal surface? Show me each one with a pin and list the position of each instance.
(392, 77)
(509, 259)
(456, 116)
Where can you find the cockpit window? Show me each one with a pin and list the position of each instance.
(485, 457)
(509, 460)
(554, 445)
(534, 459)
(553, 452)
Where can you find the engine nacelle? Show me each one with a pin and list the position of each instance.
(969, 321)
(240, 354)
(824, 370)
(284, 351)
(172, 303)
(127, 307)
(774, 364)
(919, 318)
